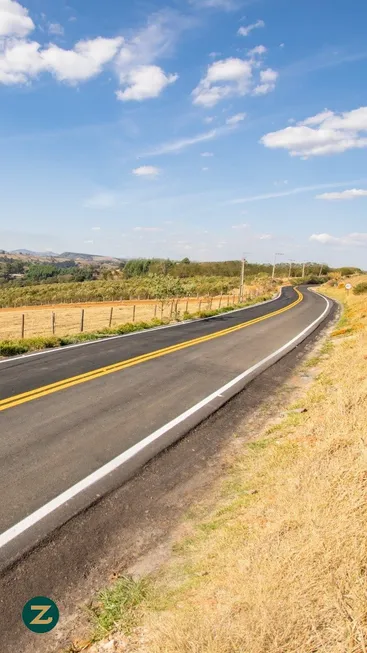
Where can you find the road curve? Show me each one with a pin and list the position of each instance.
(76, 422)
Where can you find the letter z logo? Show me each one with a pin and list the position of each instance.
(46, 617)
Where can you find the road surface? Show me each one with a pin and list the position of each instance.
(76, 422)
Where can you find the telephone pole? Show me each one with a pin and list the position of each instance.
(303, 270)
(274, 264)
(243, 262)
(290, 267)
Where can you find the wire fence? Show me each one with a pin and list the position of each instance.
(68, 320)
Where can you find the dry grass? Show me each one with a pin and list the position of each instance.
(97, 316)
(276, 562)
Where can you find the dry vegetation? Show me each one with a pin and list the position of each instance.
(276, 561)
(38, 320)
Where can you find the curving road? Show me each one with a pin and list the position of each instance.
(76, 422)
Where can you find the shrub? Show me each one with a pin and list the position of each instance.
(360, 288)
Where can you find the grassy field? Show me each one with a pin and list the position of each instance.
(38, 321)
(66, 319)
(275, 560)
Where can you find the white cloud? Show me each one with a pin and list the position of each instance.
(258, 50)
(224, 78)
(148, 229)
(240, 226)
(245, 31)
(264, 236)
(146, 171)
(234, 120)
(96, 228)
(208, 119)
(294, 191)
(89, 242)
(183, 143)
(355, 239)
(234, 77)
(19, 61)
(138, 76)
(268, 79)
(344, 195)
(145, 82)
(84, 61)
(22, 60)
(56, 28)
(206, 154)
(325, 133)
(14, 19)
(103, 200)
(205, 169)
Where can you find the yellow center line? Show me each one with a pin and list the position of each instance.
(31, 395)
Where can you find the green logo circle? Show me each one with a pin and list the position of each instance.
(40, 614)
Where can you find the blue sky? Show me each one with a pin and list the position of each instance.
(200, 128)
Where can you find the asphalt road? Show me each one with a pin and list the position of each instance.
(66, 414)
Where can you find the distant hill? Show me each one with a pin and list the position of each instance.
(80, 256)
(29, 252)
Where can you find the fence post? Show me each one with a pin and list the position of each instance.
(53, 322)
(227, 300)
(134, 310)
(211, 302)
(110, 320)
(155, 310)
(162, 309)
(200, 306)
(171, 311)
(82, 321)
(220, 301)
(22, 327)
(187, 306)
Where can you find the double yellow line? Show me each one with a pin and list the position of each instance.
(45, 390)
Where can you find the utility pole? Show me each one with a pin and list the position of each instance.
(290, 267)
(303, 270)
(243, 262)
(274, 264)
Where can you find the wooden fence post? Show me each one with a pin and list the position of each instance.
(53, 322)
(171, 311)
(220, 301)
(110, 320)
(187, 306)
(162, 309)
(134, 311)
(23, 326)
(227, 300)
(155, 311)
(211, 302)
(200, 306)
(82, 321)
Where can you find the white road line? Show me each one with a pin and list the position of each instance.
(124, 457)
(135, 333)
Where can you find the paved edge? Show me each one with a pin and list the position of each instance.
(24, 543)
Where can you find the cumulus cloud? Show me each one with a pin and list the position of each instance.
(135, 64)
(233, 77)
(259, 50)
(206, 154)
(84, 61)
(355, 239)
(96, 228)
(22, 60)
(228, 5)
(240, 226)
(247, 29)
(144, 82)
(14, 19)
(146, 171)
(268, 79)
(351, 194)
(234, 120)
(322, 134)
